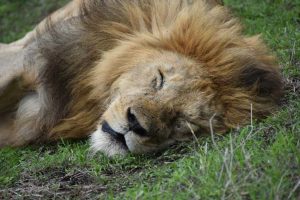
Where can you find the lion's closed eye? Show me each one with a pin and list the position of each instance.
(159, 81)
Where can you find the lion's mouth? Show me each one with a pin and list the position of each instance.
(116, 135)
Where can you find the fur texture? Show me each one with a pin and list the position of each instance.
(137, 75)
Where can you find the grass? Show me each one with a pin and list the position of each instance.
(260, 161)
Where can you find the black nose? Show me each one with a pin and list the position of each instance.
(107, 128)
(134, 124)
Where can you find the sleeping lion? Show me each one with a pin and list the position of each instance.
(134, 75)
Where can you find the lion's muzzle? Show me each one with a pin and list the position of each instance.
(135, 124)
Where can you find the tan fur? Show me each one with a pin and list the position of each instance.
(96, 61)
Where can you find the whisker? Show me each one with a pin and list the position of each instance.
(192, 131)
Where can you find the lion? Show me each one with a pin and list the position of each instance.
(134, 76)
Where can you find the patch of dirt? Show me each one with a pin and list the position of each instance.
(54, 183)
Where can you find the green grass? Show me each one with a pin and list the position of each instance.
(256, 162)
(17, 17)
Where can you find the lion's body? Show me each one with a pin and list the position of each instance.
(61, 79)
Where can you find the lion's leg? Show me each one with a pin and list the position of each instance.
(21, 59)
(26, 124)
(19, 105)
(20, 65)
(23, 128)
(14, 56)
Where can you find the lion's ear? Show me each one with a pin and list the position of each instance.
(257, 90)
(264, 80)
(260, 71)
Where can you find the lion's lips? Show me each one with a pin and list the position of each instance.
(108, 129)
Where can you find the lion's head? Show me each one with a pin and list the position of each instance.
(163, 93)
(160, 71)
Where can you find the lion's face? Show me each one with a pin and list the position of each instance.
(179, 79)
(163, 98)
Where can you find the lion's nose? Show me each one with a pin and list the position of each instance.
(134, 124)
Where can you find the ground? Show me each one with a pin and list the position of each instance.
(260, 161)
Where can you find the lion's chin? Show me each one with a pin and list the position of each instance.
(105, 143)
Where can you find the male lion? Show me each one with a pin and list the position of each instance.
(136, 75)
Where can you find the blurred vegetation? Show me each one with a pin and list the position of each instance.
(17, 17)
